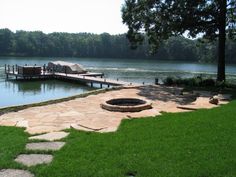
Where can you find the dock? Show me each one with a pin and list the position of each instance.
(89, 78)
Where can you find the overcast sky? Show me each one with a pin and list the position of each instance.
(95, 16)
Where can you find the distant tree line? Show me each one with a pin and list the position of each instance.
(37, 43)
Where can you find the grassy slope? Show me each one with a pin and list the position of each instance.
(196, 144)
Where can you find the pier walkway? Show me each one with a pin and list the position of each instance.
(88, 78)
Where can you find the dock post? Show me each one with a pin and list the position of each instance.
(156, 81)
(5, 68)
(13, 69)
(44, 69)
(91, 84)
(8, 68)
(108, 85)
(101, 85)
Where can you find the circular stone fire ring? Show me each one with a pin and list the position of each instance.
(126, 105)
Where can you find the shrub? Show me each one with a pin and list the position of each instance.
(208, 82)
(169, 81)
(193, 82)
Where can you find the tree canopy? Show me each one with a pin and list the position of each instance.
(161, 19)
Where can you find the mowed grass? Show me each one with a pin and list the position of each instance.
(193, 144)
(12, 142)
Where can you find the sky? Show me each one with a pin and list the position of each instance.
(73, 16)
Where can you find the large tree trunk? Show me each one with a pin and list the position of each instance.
(221, 49)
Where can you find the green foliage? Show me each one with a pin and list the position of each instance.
(162, 19)
(6, 41)
(36, 43)
(192, 82)
(22, 43)
(159, 20)
(169, 81)
(208, 83)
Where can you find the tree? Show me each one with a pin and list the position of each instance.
(6, 41)
(182, 49)
(161, 19)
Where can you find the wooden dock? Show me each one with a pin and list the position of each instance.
(87, 78)
(91, 80)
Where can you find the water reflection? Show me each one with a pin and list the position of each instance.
(24, 92)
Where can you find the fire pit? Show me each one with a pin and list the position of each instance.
(126, 105)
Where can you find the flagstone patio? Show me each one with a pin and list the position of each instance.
(87, 114)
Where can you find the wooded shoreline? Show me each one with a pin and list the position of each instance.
(87, 45)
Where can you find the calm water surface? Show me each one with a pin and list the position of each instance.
(131, 70)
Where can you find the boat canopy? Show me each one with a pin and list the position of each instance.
(66, 67)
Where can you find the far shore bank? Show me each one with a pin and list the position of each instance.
(111, 58)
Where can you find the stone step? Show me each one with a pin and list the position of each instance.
(15, 173)
(34, 159)
(45, 146)
(50, 136)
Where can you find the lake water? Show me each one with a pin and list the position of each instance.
(130, 70)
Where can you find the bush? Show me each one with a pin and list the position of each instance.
(208, 82)
(169, 81)
(193, 82)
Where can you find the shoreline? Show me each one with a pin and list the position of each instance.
(16, 108)
(86, 110)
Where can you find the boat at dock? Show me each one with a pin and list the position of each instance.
(60, 70)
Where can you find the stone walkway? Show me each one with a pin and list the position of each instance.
(45, 146)
(36, 159)
(50, 136)
(86, 113)
(15, 173)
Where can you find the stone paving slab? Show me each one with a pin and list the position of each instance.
(88, 112)
(15, 173)
(45, 146)
(34, 159)
(50, 136)
(47, 128)
(23, 123)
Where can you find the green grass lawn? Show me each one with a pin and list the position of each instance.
(12, 142)
(194, 144)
